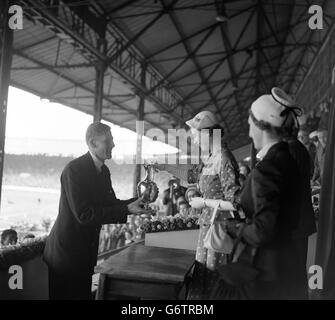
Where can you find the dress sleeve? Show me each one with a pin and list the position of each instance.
(229, 177)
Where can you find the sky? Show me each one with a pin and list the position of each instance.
(34, 126)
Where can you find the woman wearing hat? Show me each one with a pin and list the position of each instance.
(269, 201)
(218, 179)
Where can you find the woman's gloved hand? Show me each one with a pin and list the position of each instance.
(223, 205)
(197, 203)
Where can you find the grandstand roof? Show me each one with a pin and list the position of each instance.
(183, 56)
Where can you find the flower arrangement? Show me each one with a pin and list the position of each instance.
(170, 223)
(16, 254)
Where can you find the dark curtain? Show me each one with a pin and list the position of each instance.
(325, 248)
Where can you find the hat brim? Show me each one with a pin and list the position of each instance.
(190, 123)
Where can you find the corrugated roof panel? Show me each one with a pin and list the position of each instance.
(31, 33)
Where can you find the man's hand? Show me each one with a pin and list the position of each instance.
(136, 207)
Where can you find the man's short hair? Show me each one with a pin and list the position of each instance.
(96, 129)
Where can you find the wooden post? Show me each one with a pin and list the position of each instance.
(99, 82)
(6, 43)
(140, 117)
(98, 97)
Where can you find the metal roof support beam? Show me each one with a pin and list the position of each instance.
(225, 84)
(243, 101)
(6, 44)
(195, 61)
(84, 41)
(228, 46)
(120, 7)
(203, 68)
(37, 43)
(79, 85)
(140, 117)
(183, 39)
(90, 14)
(206, 80)
(311, 67)
(100, 70)
(299, 62)
(218, 82)
(282, 49)
(272, 71)
(99, 84)
(63, 66)
(258, 45)
(107, 95)
(250, 46)
(200, 55)
(124, 5)
(190, 55)
(98, 95)
(193, 94)
(143, 30)
(225, 52)
(268, 22)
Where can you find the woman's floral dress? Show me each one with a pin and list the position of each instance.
(218, 179)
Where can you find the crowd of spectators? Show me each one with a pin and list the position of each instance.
(114, 236)
(10, 237)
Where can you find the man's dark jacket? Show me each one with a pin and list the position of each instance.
(87, 201)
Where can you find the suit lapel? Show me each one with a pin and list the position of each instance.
(107, 179)
(92, 175)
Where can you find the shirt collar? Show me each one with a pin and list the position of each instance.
(97, 163)
(262, 153)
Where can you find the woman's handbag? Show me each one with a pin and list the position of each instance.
(240, 269)
(217, 238)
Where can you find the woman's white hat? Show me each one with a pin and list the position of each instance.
(270, 107)
(204, 119)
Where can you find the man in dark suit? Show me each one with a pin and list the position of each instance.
(87, 201)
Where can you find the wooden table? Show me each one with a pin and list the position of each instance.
(145, 272)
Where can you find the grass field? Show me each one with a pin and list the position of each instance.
(28, 207)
